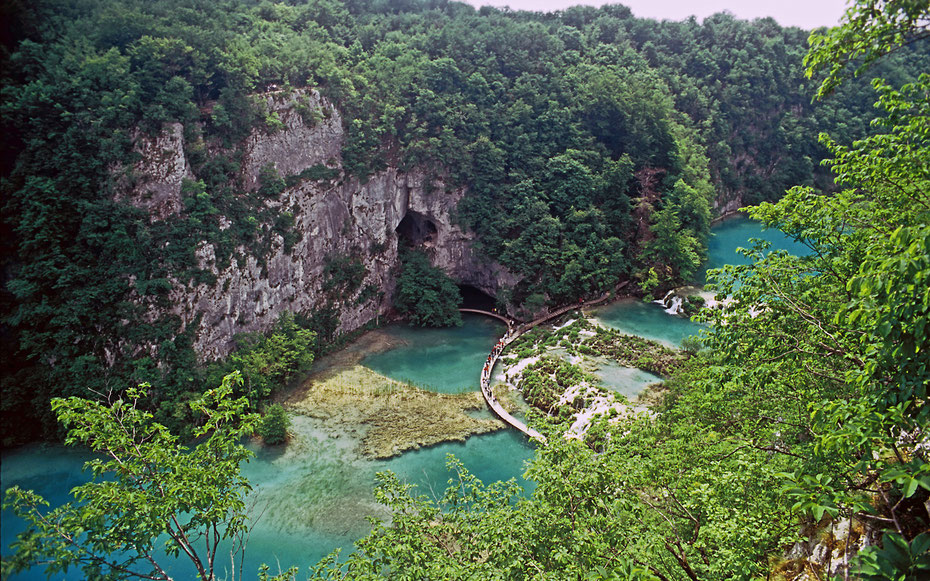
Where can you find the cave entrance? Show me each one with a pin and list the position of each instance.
(472, 298)
(416, 230)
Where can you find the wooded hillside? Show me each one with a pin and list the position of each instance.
(593, 146)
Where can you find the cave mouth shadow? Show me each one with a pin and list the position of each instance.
(416, 230)
(473, 298)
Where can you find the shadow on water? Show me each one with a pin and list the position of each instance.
(265, 453)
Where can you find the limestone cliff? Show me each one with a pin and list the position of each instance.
(159, 173)
(340, 217)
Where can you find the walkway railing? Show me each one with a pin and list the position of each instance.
(506, 321)
(512, 334)
(489, 395)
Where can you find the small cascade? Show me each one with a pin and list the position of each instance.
(671, 302)
(675, 307)
(665, 298)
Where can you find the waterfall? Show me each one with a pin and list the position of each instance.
(675, 307)
(671, 302)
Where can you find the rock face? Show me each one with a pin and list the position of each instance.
(336, 219)
(312, 135)
(159, 173)
(724, 206)
(830, 551)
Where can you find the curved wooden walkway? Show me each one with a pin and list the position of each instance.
(489, 395)
(505, 320)
(512, 334)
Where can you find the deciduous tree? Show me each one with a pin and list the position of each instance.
(151, 497)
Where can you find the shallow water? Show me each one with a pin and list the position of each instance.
(649, 320)
(444, 360)
(314, 495)
(317, 500)
(491, 457)
(626, 381)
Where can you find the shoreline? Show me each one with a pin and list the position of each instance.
(588, 346)
(382, 416)
(728, 216)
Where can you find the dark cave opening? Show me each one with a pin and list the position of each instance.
(416, 230)
(473, 298)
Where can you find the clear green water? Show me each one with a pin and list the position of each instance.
(314, 495)
(443, 360)
(650, 320)
(626, 381)
(735, 233)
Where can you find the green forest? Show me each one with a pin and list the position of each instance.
(595, 148)
(592, 145)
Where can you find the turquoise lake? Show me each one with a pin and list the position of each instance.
(315, 494)
(649, 320)
(445, 360)
(736, 232)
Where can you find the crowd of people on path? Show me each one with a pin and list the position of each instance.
(489, 364)
(486, 385)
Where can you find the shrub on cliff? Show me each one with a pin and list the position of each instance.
(269, 361)
(426, 296)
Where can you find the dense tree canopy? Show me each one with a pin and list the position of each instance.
(592, 146)
(425, 295)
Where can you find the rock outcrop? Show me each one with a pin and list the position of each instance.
(338, 218)
(830, 551)
(312, 135)
(727, 205)
(159, 173)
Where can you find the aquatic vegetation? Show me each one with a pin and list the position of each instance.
(585, 337)
(568, 391)
(392, 416)
(633, 351)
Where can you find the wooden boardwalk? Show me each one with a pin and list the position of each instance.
(512, 334)
(489, 395)
(502, 318)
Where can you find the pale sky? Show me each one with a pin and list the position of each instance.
(806, 14)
